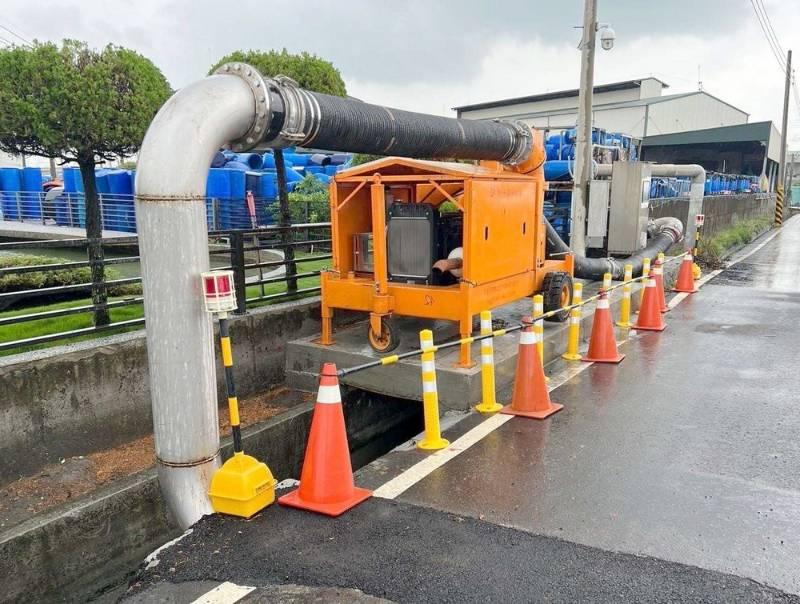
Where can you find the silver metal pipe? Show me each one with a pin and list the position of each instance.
(173, 245)
(696, 191)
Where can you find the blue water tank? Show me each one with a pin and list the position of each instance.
(333, 169)
(268, 160)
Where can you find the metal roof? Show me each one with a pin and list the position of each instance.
(626, 85)
(757, 131)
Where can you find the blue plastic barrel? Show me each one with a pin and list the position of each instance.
(339, 159)
(332, 169)
(10, 185)
(254, 161)
(558, 170)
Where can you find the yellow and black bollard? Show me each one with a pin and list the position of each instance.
(243, 485)
(698, 223)
(645, 275)
(488, 402)
(430, 396)
(625, 306)
(574, 329)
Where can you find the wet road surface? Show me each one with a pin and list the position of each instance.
(674, 476)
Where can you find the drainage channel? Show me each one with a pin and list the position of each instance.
(90, 550)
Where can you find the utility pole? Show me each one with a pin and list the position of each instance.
(784, 138)
(583, 146)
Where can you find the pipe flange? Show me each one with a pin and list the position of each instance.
(523, 143)
(263, 110)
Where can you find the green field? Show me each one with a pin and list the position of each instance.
(42, 327)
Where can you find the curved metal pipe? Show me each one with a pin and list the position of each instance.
(173, 243)
(696, 192)
(664, 233)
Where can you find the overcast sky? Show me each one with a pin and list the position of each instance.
(431, 55)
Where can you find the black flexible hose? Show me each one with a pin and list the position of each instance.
(322, 121)
(664, 232)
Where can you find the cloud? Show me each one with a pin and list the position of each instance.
(430, 55)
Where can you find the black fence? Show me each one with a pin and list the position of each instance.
(260, 258)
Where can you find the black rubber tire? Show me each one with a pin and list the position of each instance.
(554, 289)
(389, 337)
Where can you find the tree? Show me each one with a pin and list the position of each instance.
(308, 70)
(312, 73)
(83, 105)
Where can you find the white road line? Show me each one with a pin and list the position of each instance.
(224, 593)
(408, 478)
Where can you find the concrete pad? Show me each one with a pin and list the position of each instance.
(459, 389)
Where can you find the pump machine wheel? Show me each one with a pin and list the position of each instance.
(387, 340)
(557, 293)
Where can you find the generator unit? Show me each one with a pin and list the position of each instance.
(389, 229)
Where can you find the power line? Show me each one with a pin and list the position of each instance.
(15, 34)
(770, 27)
(772, 45)
(769, 31)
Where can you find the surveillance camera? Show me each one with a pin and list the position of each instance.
(607, 37)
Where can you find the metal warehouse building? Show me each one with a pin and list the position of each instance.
(688, 127)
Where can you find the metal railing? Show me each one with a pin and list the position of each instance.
(256, 257)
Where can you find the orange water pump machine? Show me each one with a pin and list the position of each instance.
(393, 218)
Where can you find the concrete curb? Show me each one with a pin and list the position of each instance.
(459, 389)
(95, 543)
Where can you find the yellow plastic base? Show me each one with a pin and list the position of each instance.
(697, 272)
(242, 487)
(483, 408)
(433, 444)
(627, 325)
(571, 357)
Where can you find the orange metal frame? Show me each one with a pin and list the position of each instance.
(503, 239)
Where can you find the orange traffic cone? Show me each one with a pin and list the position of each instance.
(326, 482)
(658, 275)
(602, 345)
(685, 281)
(649, 317)
(530, 398)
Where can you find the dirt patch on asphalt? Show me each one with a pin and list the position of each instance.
(75, 476)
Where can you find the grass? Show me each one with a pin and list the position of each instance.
(41, 327)
(713, 250)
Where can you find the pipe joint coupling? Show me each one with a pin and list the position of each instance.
(302, 114)
(522, 143)
(261, 103)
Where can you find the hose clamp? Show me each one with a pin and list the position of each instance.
(302, 114)
(261, 104)
(522, 143)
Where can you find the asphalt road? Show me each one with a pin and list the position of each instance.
(673, 477)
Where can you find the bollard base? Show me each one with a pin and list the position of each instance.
(542, 414)
(571, 357)
(490, 408)
(433, 444)
(626, 325)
